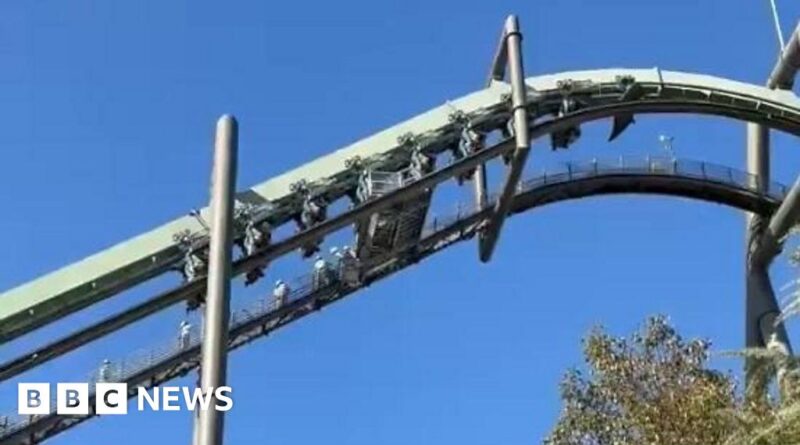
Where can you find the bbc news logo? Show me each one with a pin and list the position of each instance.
(112, 398)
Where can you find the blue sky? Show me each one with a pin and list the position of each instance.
(107, 112)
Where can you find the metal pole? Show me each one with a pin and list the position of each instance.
(519, 101)
(764, 235)
(196, 423)
(519, 91)
(757, 159)
(217, 311)
(785, 70)
(479, 177)
(756, 292)
(196, 415)
(761, 306)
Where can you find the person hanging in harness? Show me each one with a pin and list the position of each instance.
(323, 273)
(336, 262)
(280, 295)
(185, 335)
(348, 267)
(105, 371)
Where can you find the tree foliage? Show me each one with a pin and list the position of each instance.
(656, 388)
(650, 388)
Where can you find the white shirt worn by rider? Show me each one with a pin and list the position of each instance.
(281, 291)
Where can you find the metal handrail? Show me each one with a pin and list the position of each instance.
(666, 166)
(303, 285)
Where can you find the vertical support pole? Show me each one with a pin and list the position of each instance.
(761, 306)
(758, 167)
(217, 311)
(196, 415)
(479, 179)
(757, 160)
(196, 423)
(519, 98)
(761, 303)
(519, 102)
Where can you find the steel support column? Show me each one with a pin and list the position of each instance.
(196, 418)
(782, 76)
(760, 298)
(479, 177)
(764, 238)
(519, 102)
(761, 306)
(217, 310)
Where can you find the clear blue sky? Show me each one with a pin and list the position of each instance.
(107, 109)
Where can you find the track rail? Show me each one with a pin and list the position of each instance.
(696, 180)
(699, 180)
(593, 95)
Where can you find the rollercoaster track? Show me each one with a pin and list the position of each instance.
(257, 325)
(690, 179)
(695, 180)
(613, 184)
(594, 94)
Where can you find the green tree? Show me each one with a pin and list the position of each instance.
(656, 388)
(651, 388)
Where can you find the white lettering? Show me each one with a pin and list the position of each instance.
(144, 395)
(170, 395)
(33, 398)
(191, 400)
(225, 400)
